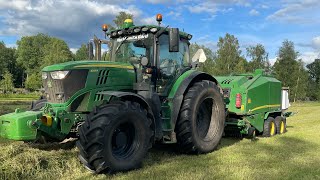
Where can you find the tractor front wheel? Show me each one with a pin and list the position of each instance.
(115, 137)
(201, 121)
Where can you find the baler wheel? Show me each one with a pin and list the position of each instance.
(269, 128)
(280, 125)
(115, 137)
(201, 120)
(251, 133)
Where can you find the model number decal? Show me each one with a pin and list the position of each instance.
(137, 37)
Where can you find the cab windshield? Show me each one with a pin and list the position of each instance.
(125, 49)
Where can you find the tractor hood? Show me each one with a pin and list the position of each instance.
(87, 64)
(85, 78)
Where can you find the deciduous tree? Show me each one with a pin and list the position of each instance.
(228, 56)
(314, 80)
(258, 56)
(82, 53)
(7, 82)
(121, 17)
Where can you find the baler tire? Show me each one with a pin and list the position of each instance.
(280, 125)
(269, 127)
(115, 137)
(38, 104)
(199, 129)
(251, 133)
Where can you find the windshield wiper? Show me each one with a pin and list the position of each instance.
(121, 44)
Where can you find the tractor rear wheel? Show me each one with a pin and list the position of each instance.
(201, 120)
(115, 137)
(269, 127)
(280, 125)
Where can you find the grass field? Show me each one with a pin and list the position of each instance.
(294, 155)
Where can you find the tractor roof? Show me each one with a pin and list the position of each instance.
(131, 30)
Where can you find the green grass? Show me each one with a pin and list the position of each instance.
(294, 155)
(9, 105)
(19, 97)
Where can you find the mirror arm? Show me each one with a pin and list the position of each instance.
(161, 31)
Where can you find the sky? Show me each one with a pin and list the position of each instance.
(267, 22)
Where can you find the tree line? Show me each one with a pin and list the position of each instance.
(302, 80)
(20, 67)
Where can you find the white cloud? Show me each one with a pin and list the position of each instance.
(273, 60)
(72, 20)
(316, 43)
(204, 8)
(166, 1)
(254, 12)
(148, 20)
(309, 57)
(73, 50)
(298, 12)
(212, 7)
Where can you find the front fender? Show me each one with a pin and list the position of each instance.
(132, 97)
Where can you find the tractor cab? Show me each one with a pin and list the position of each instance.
(159, 54)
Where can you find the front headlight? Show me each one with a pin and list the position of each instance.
(44, 75)
(59, 74)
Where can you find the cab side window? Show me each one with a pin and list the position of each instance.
(172, 62)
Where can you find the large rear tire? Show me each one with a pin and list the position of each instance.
(201, 121)
(115, 137)
(280, 125)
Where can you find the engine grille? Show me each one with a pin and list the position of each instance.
(74, 81)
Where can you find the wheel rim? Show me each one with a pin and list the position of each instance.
(282, 127)
(272, 129)
(203, 121)
(123, 140)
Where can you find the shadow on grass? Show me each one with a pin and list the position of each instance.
(174, 148)
(65, 145)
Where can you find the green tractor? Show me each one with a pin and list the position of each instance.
(150, 91)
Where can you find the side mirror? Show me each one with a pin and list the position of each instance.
(199, 56)
(90, 50)
(174, 40)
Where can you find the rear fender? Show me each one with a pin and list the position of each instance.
(179, 89)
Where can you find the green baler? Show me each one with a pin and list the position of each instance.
(254, 104)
